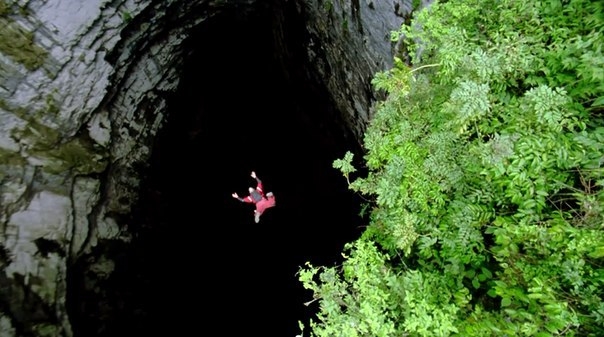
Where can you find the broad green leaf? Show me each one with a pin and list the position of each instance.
(598, 102)
(506, 301)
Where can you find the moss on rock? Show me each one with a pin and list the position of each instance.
(18, 43)
(11, 158)
(4, 8)
(79, 155)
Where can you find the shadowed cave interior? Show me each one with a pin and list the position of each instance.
(199, 262)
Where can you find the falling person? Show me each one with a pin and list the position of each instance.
(258, 198)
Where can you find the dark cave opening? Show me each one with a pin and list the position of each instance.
(199, 262)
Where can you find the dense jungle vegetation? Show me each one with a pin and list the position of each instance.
(484, 180)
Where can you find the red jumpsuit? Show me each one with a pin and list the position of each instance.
(257, 197)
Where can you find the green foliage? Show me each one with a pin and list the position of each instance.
(126, 16)
(340, 302)
(485, 168)
(327, 7)
(345, 165)
(416, 4)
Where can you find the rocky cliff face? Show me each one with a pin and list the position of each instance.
(83, 93)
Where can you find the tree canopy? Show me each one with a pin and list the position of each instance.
(484, 179)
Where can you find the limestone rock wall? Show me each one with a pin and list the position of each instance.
(83, 87)
(340, 49)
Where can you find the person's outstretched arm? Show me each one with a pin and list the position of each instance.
(247, 199)
(259, 186)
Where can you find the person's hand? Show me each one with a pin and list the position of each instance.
(253, 174)
(235, 195)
